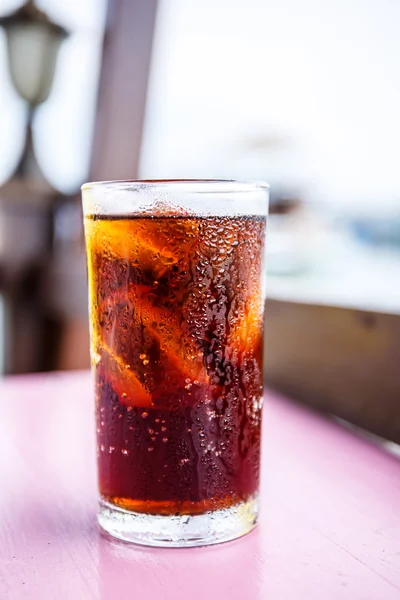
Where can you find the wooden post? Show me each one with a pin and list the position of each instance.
(123, 89)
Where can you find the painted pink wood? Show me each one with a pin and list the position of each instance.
(330, 526)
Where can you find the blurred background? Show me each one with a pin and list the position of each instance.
(304, 94)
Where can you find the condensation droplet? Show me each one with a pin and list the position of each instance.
(145, 415)
(96, 358)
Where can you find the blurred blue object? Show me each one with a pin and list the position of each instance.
(377, 231)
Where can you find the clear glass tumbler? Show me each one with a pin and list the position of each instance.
(176, 301)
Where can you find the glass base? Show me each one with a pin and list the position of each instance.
(178, 531)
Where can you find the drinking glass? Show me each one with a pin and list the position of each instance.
(176, 303)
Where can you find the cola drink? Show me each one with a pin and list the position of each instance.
(176, 312)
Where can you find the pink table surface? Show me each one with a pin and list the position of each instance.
(330, 525)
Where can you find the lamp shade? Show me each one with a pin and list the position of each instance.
(33, 43)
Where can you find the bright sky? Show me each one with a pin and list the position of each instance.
(324, 74)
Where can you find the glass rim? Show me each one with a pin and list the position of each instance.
(210, 186)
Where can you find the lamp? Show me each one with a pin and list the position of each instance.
(33, 44)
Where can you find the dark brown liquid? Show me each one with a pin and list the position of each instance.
(176, 316)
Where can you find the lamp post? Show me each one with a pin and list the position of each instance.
(26, 199)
